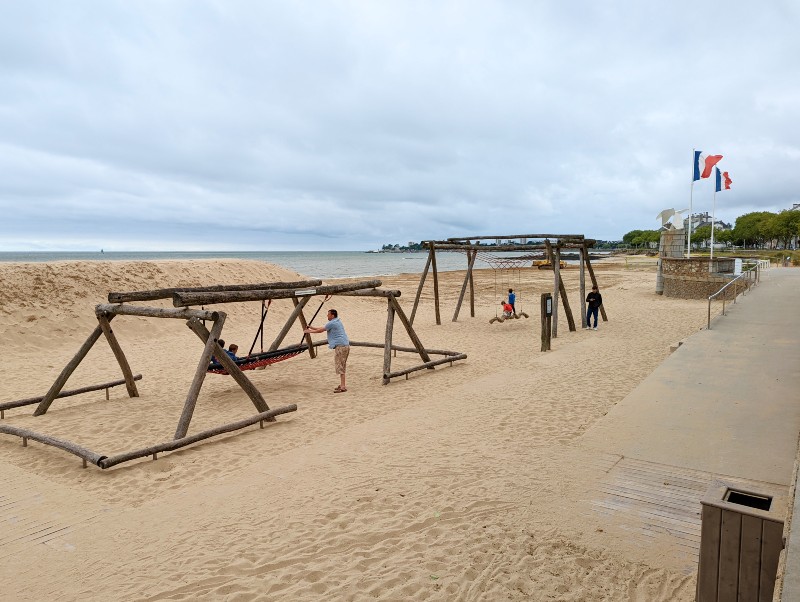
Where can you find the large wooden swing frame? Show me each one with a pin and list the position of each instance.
(183, 299)
(551, 244)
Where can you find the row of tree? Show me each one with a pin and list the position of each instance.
(760, 229)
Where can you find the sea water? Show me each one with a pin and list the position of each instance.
(313, 264)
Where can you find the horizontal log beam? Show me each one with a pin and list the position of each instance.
(108, 462)
(426, 365)
(372, 293)
(394, 347)
(166, 293)
(447, 246)
(82, 452)
(186, 299)
(32, 400)
(517, 236)
(155, 312)
(405, 349)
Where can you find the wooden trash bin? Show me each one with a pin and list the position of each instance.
(741, 539)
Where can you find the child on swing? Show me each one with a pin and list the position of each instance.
(508, 309)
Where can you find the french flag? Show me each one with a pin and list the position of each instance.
(723, 180)
(703, 165)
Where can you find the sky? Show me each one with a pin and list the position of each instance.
(233, 125)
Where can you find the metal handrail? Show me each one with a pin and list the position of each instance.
(753, 273)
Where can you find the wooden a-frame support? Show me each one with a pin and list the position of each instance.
(106, 313)
(552, 251)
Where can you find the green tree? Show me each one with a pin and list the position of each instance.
(630, 236)
(753, 227)
(702, 235)
(724, 236)
(785, 226)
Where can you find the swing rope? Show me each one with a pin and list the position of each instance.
(327, 297)
(260, 331)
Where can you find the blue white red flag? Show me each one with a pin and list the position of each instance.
(723, 180)
(704, 164)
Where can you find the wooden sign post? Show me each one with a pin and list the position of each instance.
(547, 320)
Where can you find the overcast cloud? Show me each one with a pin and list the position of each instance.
(251, 125)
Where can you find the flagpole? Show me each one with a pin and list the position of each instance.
(713, 211)
(689, 229)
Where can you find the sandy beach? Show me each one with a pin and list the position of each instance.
(460, 483)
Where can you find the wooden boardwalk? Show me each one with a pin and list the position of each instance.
(652, 501)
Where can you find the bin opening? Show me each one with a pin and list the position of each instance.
(751, 500)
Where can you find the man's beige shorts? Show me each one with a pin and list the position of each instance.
(340, 354)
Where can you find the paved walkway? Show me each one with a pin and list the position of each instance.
(727, 401)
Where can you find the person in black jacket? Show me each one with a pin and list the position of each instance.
(595, 300)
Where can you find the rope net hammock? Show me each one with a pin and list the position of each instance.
(506, 263)
(259, 360)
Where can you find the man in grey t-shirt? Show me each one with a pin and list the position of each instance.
(338, 341)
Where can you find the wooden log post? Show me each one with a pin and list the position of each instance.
(127, 373)
(387, 349)
(472, 287)
(583, 289)
(435, 285)
(546, 320)
(410, 330)
(231, 368)
(421, 284)
(56, 387)
(211, 347)
(312, 351)
(467, 277)
(585, 251)
(555, 260)
(565, 301)
(298, 309)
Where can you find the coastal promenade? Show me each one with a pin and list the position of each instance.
(723, 406)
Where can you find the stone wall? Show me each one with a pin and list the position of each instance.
(698, 278)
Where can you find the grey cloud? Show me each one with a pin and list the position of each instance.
(308, 124)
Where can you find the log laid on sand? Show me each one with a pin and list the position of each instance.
(426, 365)
(86, 454)
(32, 400)
(108, 462)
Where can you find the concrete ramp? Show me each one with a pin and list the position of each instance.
(727, 401)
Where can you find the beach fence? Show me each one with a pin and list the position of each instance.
(740, 285)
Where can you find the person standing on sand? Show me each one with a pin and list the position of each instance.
(512, 298)
(595, 300)
(338, 341)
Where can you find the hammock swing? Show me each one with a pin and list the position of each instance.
(254, 361)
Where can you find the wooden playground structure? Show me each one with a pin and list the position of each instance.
(184, 299)
(548, 247)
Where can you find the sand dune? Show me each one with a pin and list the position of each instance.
(457, 483)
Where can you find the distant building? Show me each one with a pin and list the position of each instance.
(704, 219)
